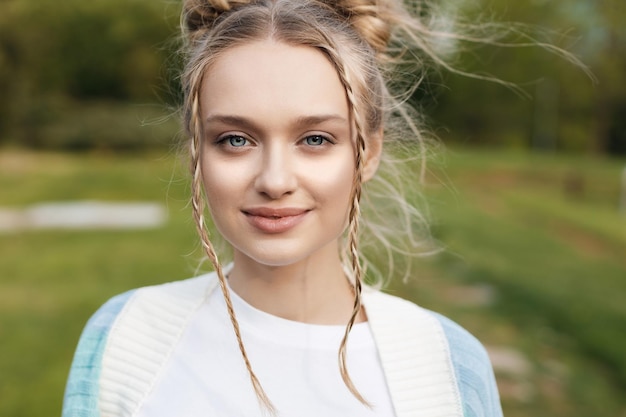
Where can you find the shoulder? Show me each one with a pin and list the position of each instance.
(133, 331)
(460, 341)
(81, 391)
(466, 358)
(463, 345)
(473, 370)
(135, 301)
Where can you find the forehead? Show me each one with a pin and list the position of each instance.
(268, 78)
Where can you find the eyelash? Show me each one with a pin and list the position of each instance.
(324, 141)
(229, 139)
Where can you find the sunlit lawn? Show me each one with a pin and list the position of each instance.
(546, 234)
(541, 234)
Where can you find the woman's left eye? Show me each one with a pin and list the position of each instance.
(237, 141)
(315, 140)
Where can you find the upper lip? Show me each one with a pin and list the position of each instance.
(274, 212)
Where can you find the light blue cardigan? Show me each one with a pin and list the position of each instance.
(434, 368)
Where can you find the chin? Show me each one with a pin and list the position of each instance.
(277, 254)
(273, 258)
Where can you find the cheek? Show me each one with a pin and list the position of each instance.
(333, 180)
(220, 185)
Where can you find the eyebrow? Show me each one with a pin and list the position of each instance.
(318, 119)
(303, 121)
(230, 120)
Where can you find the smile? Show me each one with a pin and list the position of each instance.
(274, 221)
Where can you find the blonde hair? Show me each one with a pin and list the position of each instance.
(300, 23)
(369, 42)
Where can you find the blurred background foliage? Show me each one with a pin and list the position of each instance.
(560, 108)
(526, 208)
(80, 75)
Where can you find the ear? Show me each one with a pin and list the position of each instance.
(373, 152)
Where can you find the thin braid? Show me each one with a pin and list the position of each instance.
(197, 203)
(355, 264)
(354, 215)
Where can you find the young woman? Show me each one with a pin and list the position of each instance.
(287, 104)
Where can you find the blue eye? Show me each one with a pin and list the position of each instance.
(236, 141)
(315, 140)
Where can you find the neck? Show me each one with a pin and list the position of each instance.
(314, 290)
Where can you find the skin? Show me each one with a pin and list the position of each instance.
(278, 165)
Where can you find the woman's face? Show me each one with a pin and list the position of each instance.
(277, 152)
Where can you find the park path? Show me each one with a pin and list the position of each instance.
(83, 215)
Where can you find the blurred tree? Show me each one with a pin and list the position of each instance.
(565, 111)
(102, 49)
(607, 54)
(55, 55)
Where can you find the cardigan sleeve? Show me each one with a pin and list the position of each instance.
(81, 391)
(473, 371)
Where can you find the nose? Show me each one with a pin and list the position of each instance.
(276, 177)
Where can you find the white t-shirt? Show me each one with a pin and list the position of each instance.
(296, 363)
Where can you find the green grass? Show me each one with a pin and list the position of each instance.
(555, 255)
(541, 232)
(52, 281)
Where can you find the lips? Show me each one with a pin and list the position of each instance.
(275, 220)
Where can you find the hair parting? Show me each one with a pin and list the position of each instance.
(197, 202)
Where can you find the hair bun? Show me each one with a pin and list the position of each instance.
(370, 18)
(198, 16)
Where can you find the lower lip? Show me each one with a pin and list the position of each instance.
(274, 225)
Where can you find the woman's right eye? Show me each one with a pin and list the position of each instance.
(235, 141)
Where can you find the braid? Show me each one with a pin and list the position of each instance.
(370, 18)
(197, 203)
(353, 234)
(354, 214)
